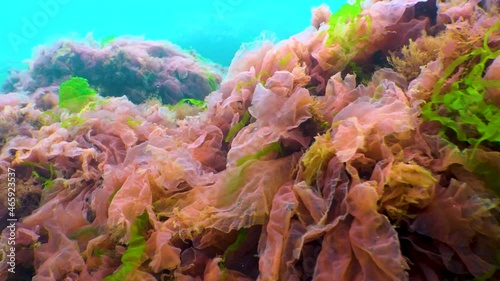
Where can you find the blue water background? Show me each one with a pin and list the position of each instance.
(214, 28)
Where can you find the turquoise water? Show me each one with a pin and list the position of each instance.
(214, 28)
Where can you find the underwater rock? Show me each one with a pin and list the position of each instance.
(137, 69)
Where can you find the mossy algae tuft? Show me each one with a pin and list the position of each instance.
(75, 94)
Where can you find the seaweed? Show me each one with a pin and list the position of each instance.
(489, 174)
(361, 73)
(275, 146)
(406, 185)
(132, 258)
(98, 252)
(193, 102)
(343, 26)
(132, 123)
(242, 235)
(186, 107)
(93, 104)
(316, 158)
(413, 56)
(284, 61)
(106, 41)
(484, 164)
(48, 118)
(75, 94)
(361, 186)
(71, 122)
(259, 78)
(490, 274)
(236, 176)
(212, 81)
(113, 194)
(85, 231)
(464, 109)
(238, 126)
(46, 182)
(43, 169)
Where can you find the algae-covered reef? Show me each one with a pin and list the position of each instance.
(363, 148)
(118, 67)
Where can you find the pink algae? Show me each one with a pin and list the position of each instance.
(332, 177)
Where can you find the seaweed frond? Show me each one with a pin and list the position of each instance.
(345, 29)
(463, 109)
(132, 258)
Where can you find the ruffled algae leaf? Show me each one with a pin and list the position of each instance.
(343, 25)
(275, 146)
(132, 258)
(91, 231)
(406, 184)
(261, 78)
(346, 13)
(242, 235)
(490, 274)
(113, 194)
(489, 174)
(48, 117)
(133, 123)
(75, 94)
(91, 106)
(485, 164)
(236, 177)
(316, 158)
(284, 61)
(411, 174)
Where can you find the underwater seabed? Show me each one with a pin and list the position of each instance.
(364, 148)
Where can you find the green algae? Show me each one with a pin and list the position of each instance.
(193, 102)
(238, 126)
(47, 168)
(86, 231)
(132, 123)
(71, 122)
(275, 146)
(260, 78)
(236, 177)
(343, 26)
(284, 61)
(212, 81)
(242, 235)
(48, 117)
(75, 94)
(132, 258)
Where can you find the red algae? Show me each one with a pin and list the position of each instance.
(295, 168)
